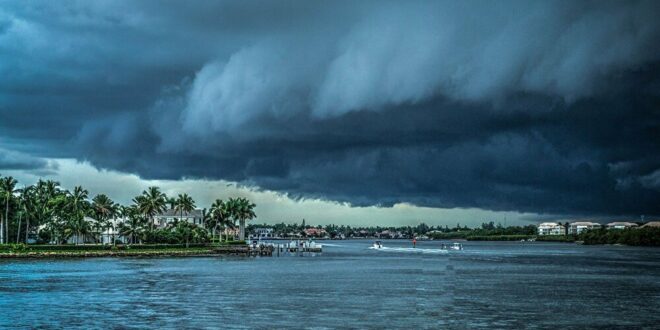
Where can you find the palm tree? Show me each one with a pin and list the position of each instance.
(25, 207)
(151, 202)
(184, 203)
(7, 188)
(132, 226)
(206, 218)
(242, 210)
(171, 201)
(220, 216)
(46, 195)
(78, 206)
(103, 209)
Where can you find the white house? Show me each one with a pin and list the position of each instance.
(576, 228)
(551, 228)
(621, 225)
(112, 233)
(105, 237)
(170, 216)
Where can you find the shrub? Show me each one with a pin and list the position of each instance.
(498, 238)
(84, 248)
(629, 236)
(556, 238)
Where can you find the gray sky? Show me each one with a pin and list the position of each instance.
(533, 108)
(272, 207)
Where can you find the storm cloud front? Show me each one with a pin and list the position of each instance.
(543, 107)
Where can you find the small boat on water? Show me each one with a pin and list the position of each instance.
(377, 245)
(455, 246)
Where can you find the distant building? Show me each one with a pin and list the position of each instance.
(386, 234)
(112, 233)
(362, 233)
(315, 232)
(551, 228)
(232, 231)
(621, 225)
(170, 216)
(262, 233)
(576, 228)
(655, 224)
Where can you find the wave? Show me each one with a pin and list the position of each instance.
(413, 250)
(333, 245)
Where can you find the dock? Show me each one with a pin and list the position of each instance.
(256, 248)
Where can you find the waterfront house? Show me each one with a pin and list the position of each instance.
(315, 232)
(551, 228)
(385, 234)
(575, 228)
(103, 235)
(361, 233)
(621, 225)
(171, 216)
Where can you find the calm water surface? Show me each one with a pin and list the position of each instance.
(489, 285)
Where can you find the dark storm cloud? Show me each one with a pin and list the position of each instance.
(12, 160)
(529, 106)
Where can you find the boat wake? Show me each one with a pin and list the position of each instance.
(413, 250)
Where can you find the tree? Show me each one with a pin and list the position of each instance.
(184, 203)
(47, 195)
(77, 206)
(151, 202)
(242, 209)
(184, 230)
(25, 209)
(220, 216)
(103, 210)
(133, 224)
(7, 188)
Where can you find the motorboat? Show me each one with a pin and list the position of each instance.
(456, 246)
(377, 245)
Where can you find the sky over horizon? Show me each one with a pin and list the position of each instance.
(365, 112)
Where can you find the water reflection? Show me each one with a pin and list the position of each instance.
(497, 284)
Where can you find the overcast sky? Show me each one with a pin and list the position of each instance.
(344, 112)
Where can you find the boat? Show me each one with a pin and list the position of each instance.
(377, 245)
(456, 246)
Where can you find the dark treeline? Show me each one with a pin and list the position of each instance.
(631, 236)
(47, 213)
(439, 232)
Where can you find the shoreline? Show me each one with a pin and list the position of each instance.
(174, 252)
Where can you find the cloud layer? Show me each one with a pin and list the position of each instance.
(545, 107)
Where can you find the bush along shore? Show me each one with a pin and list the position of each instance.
(139, 250)
(631, 236)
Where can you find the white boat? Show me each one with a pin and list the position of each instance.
(456, 246)
(377, 245)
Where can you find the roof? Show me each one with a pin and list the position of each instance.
(172, 213)
(651, 224)
(549, 224)
(622, 223)
(584, 223)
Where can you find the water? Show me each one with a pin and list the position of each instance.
(489, 285)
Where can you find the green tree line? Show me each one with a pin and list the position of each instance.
(48, 213)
